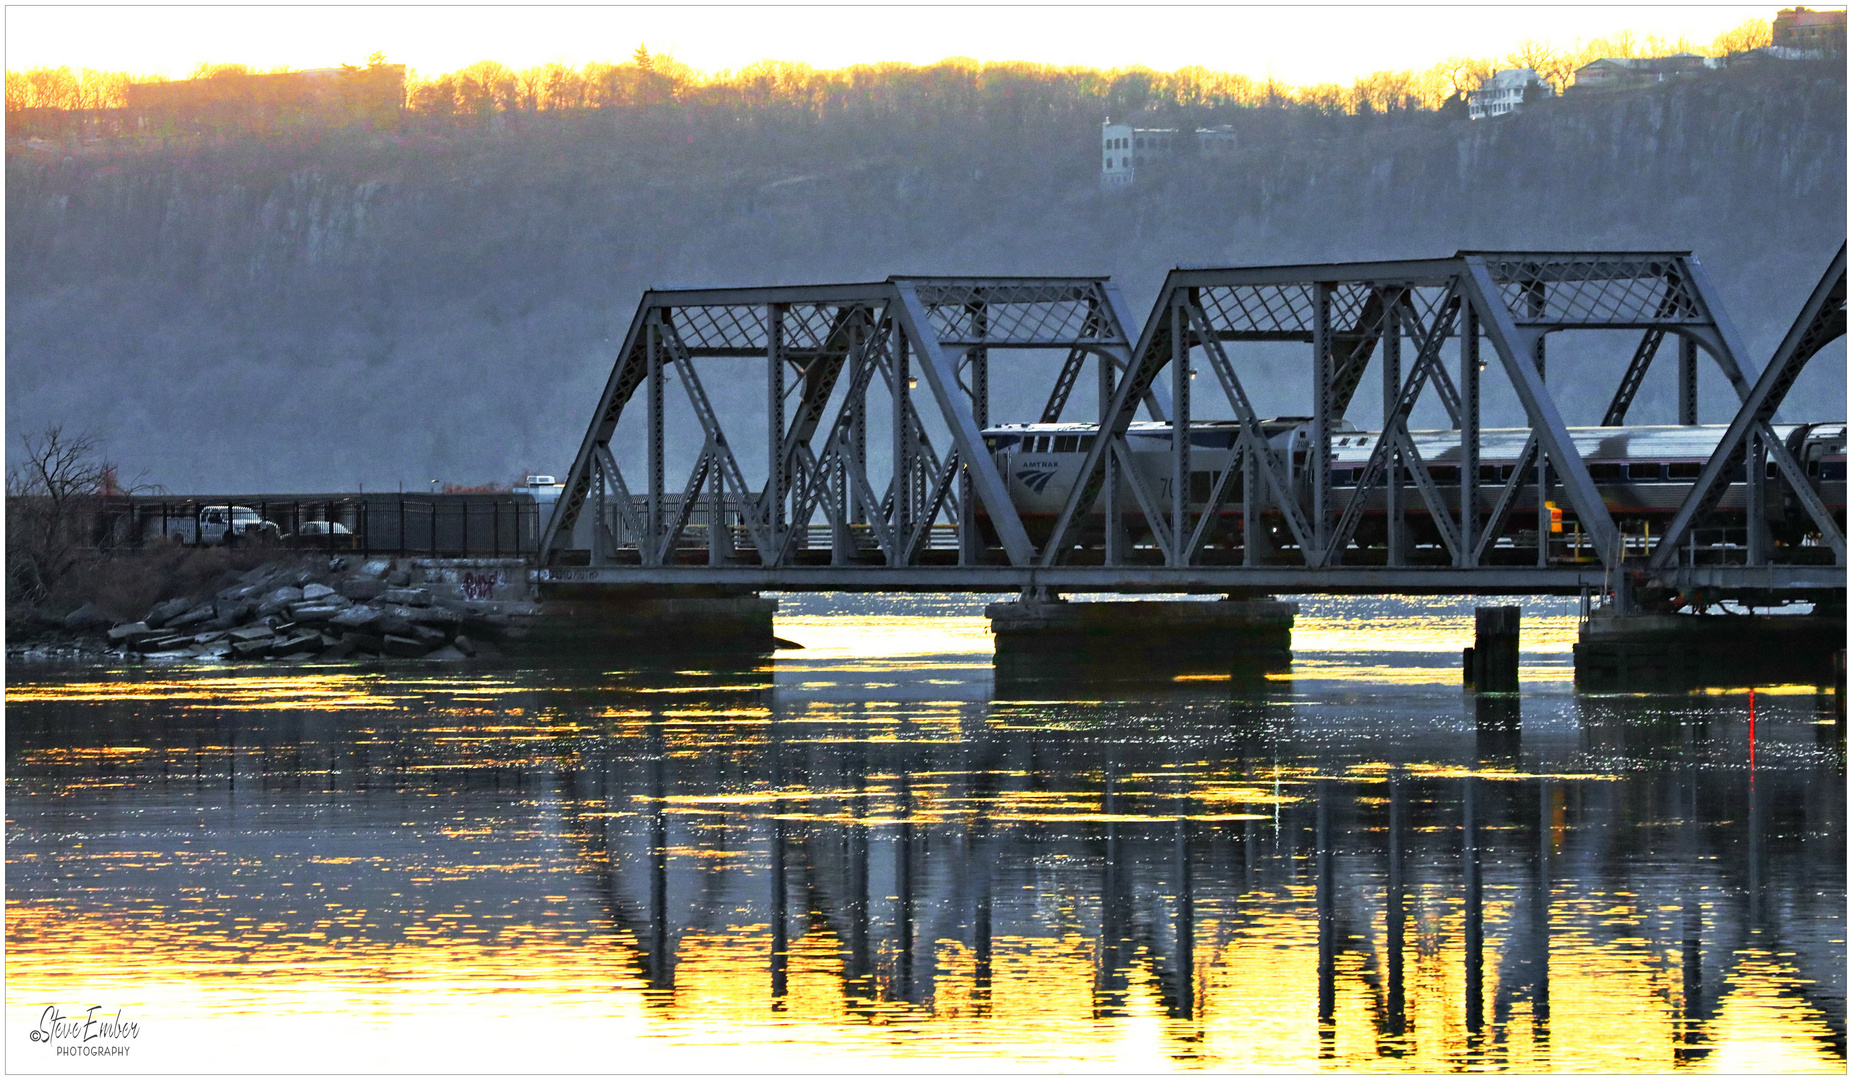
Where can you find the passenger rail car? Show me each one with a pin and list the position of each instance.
(1642, 472)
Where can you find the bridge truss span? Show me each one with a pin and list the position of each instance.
(850, 442)
(839, 365)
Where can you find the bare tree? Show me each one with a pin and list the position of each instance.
(1551, 64)
(529, 84)
(1751, 34)
(51, 506)
(51, 88)
(485, 88)
(1464, 74)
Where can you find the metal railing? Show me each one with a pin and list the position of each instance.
(492, 526)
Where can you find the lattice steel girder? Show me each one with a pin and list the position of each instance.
(1515, 349)
(1581, 288)
(818, 327)
(1821, 319)
(1502, 580)
(1620, 290)
(1021, 313)
(1555, 290)
(1517, 298)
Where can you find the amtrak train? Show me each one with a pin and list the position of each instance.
(1643, 473)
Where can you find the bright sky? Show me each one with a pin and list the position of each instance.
(1298, 45)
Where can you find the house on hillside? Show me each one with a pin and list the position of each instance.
(1633, 73)
(1775, 54)
(1799, 28)
(1125, 149)
(1507, 91)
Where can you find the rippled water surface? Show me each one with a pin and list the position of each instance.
(867, 854)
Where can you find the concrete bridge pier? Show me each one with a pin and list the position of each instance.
(654, 620)
(1045, 637)
(1620, 650)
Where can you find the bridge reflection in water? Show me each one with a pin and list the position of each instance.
(853, 858)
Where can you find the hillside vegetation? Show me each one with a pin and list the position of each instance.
(312, 314)
(487, 88)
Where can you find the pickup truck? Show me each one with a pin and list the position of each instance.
(227, 525)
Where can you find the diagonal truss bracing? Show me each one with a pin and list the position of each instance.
(865, 405)
(1358, 315)
(1821, 319)
(819, 351)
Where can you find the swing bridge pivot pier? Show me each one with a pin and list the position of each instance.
(841, 437)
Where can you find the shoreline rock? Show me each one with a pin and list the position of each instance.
(286, 611)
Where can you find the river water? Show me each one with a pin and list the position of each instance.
(866, 854)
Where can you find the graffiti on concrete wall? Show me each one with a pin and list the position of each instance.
(479, 585)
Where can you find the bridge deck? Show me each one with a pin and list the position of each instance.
(1792, 581)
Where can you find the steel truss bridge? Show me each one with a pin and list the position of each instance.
(906, 365)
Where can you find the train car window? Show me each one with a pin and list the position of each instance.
(1832, 470)
(1643, 470)
(1684, 470)
(1067, 444)
(1446, 474)
(1200, 485)
(1086, 443)
(1604, 471)
(1489, 474)
(1774, 470)
(1813, 468)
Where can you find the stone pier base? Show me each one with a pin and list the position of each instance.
(1140, 640)
(1677, 652)
(656, 623)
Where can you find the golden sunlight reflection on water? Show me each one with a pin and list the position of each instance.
(849, 637)
(855, 857)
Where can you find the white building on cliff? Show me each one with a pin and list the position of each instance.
(1125, 149)
(1507, 91)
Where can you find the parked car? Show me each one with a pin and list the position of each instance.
(228, 525)
(321, 534)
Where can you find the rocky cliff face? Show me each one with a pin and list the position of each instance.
(317, 316)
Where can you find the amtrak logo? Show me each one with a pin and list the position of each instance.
(1035, 479)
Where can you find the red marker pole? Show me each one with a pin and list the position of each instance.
(1752, 729)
